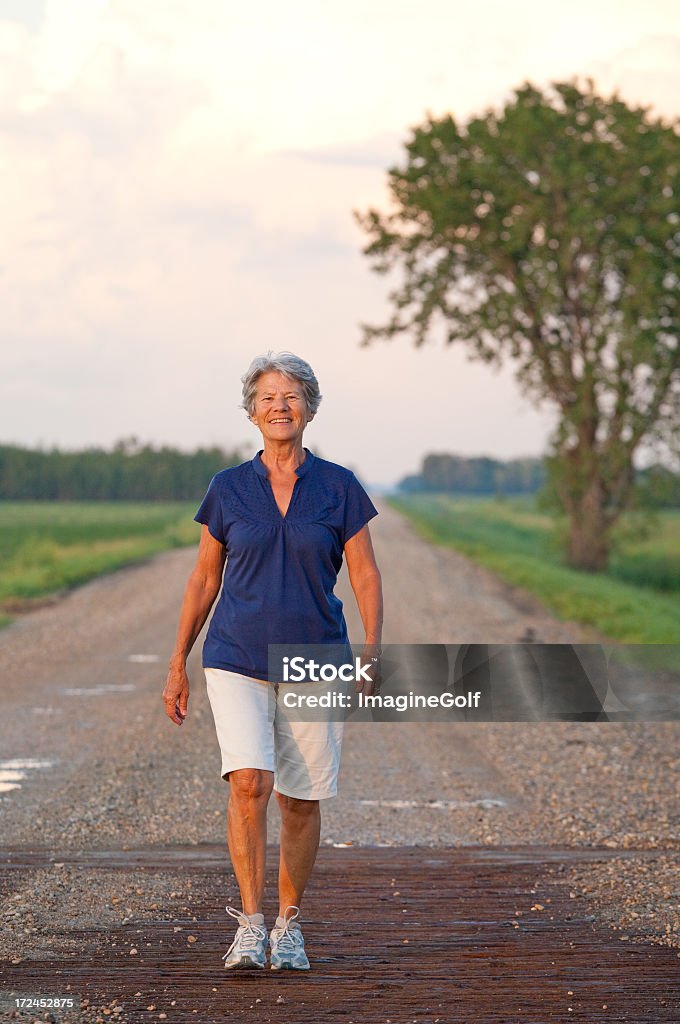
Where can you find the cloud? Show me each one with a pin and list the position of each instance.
(26, 12)
(379, 151)
(646, 73)
(216, 221)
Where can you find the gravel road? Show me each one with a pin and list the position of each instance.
(97, 765)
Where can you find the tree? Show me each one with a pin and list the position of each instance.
(549, 234)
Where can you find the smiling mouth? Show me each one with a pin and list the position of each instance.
(281, 421)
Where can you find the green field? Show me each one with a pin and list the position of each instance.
(46, 547)
(636, 601)
(49, 546)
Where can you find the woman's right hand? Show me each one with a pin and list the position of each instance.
(176, 692)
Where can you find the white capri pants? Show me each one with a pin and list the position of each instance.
(256, 730)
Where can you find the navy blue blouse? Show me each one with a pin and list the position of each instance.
(281, 570)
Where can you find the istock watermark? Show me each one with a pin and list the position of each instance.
(391, 701)
(479, 682)
(299, 670)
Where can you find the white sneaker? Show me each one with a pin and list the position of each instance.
(247, 951)
(287, 943)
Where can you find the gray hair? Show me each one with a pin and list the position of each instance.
(288, 364)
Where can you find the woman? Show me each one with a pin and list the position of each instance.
(282, 521)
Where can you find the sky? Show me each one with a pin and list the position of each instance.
(178, 182)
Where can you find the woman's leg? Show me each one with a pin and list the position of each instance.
(300, 832)
(250, 789)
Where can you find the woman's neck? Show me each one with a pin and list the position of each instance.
(284, 457)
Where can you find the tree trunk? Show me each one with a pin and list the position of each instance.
(588, 545)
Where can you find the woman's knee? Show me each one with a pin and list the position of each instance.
(251, 784)
(291, 805)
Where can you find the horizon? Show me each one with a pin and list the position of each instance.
(378, 486)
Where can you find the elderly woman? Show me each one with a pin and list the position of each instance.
(282, 522)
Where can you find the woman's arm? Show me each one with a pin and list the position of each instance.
(200, 592)
(366, 582)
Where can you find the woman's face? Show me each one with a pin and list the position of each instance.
(280, 407)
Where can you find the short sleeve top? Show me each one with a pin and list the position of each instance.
(281, 570)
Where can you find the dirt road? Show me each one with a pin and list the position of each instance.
(97, 765)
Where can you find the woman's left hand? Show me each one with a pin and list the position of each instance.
(370, 659)
(176, 692)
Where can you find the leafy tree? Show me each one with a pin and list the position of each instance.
(549, 234)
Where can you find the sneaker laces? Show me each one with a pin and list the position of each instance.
(284, 938)
(248, 934)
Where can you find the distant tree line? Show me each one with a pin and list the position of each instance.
(130, 471)
(655, 487)
(482, 475)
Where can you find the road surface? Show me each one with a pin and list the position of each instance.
(96, 765)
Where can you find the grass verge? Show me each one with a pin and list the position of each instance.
(637, 601)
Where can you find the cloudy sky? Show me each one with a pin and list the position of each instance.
(177, 187)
